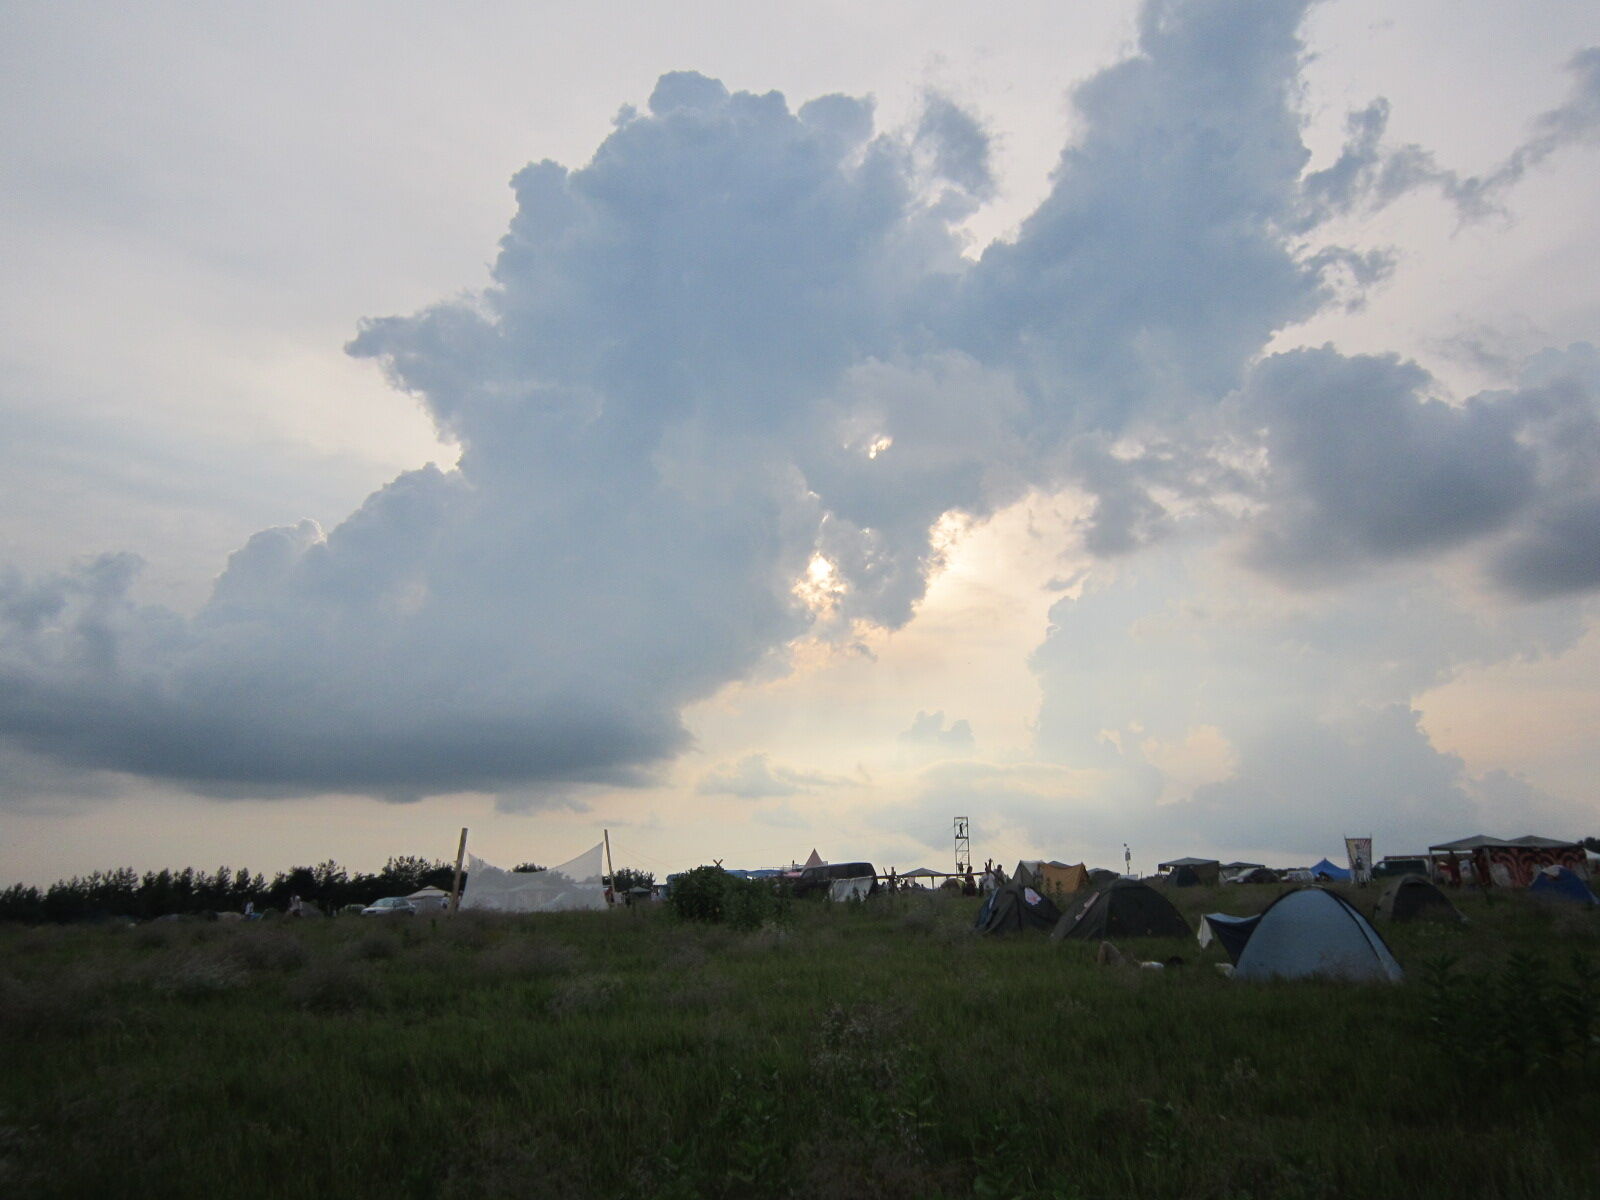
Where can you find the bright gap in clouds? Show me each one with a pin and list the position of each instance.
(757, 441)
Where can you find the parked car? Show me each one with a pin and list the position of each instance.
(815, 880)
(389, 906)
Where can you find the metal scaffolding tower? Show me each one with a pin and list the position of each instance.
(963, 847)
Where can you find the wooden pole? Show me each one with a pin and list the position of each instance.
(612, 875)
(455, 886)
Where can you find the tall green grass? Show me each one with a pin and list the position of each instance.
(878, 1048)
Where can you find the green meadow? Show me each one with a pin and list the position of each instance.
(878, 1049)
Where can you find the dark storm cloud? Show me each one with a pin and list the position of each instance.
(739, 350)
(1365, 467)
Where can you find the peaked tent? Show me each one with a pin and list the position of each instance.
(1311, 932)
(1127, 908)
(1014, 906)
(429, 899)
(1412, 897)
(1060, 879)
(1327, 870)
(813, 861)
(1559, 883)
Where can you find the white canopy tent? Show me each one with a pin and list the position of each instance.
(575, 886)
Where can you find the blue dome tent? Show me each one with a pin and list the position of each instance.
(1311, 932)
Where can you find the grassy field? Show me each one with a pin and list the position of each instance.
(879, 1050)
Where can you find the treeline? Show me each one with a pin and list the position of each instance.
(123, 892)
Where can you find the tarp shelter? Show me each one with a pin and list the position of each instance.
(1229, 932)
(1255, 875)
(1127, 908)
(1558, 883)
(1412, 897)
(1328, 870)
(857, 888)
(1014, 906)
(575, 885)
(1054, 878)
(1186, 872)
(1311, 932)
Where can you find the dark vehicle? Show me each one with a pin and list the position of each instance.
(815, 880)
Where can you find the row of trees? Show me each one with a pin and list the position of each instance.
(123, 892)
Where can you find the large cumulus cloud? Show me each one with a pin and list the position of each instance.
(728, 377)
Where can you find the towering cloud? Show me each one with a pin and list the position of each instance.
(729, 376)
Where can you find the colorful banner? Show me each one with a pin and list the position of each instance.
(1360, 853)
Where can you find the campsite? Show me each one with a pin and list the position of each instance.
(879, 1044)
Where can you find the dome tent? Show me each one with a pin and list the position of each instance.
(1558, 883)
(1412, 897)
(1013, 906)
(1311, 932)
(1127, 908)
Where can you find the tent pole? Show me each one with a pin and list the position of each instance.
(610, 874)
(455, 885)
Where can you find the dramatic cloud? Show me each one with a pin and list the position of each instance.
(1363, 466)
(731, 374)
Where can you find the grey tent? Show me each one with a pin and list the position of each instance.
(1411, 897)
(1127, 908)
(1015, 906)
(1186, 872)
(1310, 933)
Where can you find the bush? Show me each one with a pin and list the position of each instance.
(711, 894)
(334, 987)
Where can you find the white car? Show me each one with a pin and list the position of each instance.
(389, 906)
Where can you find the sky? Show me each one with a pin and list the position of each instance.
(1169, 424)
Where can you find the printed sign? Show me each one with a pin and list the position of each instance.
(1360, 852)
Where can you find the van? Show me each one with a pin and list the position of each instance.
(815, 880)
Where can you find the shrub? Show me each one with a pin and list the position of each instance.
(711, 894)
(267, 950)
(372, 947)
(196, 973)
(334, 987)
(587, 994)
(519, 957)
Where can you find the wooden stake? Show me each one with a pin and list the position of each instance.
(606, 833)
(455, 886)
